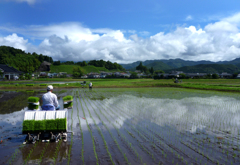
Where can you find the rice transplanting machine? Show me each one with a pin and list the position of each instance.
(45, 125)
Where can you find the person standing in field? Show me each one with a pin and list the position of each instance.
(90, 85)
(49, 100)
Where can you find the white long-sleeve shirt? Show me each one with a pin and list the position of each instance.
(50, 98)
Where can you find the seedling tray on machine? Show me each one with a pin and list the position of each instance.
(68, 102)
(45, 121)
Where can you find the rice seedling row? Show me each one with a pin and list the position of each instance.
(145, 139)
(15, 154)
(82, 151)
(70, 148)
(231, 143)
(123, 137)
(114, 139)
(55, 156)
(43, 153)
(30, 153)
(99, 130)
(93, 142)
(132, 127)
(142, 147)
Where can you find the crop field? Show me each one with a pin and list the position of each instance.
(135, 126)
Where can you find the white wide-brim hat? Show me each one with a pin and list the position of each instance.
(50, 87)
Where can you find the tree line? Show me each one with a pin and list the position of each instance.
(25, 62)
(97, 63)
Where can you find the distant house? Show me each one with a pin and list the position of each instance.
(9, 72)
(62, 73)
(43, 74)
(45, 66)
(85, 76)
(238, 76)
(117, 74)
(93, 75)
(137, 71)
(126, 75)
(51, 75)
(198, 75)
(225, 75)
(170, 75)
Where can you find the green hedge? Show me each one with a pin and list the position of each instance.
(29, 84)
(43, 85)
(35, 126)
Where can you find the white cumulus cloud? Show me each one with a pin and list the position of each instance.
(30, 2)
(72, 41)
(15, 41)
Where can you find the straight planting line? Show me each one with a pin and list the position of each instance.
(70, 148)
(100, 132)
(121, 135)
(124, 155)
(94, 148)
(82, 151)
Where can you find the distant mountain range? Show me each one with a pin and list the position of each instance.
(189, 66)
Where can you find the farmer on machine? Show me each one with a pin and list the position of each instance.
(49, 100)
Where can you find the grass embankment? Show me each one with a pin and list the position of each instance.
(69, 69)
(206, 84)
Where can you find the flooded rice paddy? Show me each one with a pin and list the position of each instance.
(130, 126)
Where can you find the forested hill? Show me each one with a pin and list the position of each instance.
(25, 62)
(178, 64)
(209, 68)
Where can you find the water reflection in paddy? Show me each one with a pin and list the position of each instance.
(172, 120)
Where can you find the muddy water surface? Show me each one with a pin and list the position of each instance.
(130, 126)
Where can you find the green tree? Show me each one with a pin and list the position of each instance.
(77, 72)
(159, 71)
(235, 75)
(151, 70)
(1, 73)
(134, 75)
(56, 63)
(142, 68)
(182, 75)
(215, 76)
(209, 76)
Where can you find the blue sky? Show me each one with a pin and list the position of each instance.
(123, 30)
